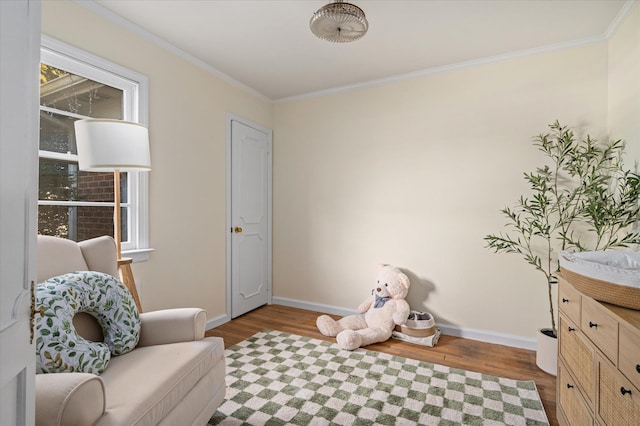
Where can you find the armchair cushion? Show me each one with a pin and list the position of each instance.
(143, 387)
(69, 398)
(172, 326)
(59, 347)
(58, 256)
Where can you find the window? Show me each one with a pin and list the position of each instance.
(76, 204)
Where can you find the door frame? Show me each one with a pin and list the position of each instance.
(230, 117)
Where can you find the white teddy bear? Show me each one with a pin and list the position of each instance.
(382, 311)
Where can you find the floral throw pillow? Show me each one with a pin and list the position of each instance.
(59, 348)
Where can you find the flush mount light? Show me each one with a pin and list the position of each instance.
(339, 22)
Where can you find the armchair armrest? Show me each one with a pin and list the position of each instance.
(172, 326)
(69, 399)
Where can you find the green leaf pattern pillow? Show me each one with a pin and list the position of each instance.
(59, 348)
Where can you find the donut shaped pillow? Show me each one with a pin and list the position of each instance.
(59, 348)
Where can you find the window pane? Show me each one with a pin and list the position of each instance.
(65, 91)
(58, 180)
(70, 90)
(95, 186)
(57, 133)
(98, 187)
(79, 223)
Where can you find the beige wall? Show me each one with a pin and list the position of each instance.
(414, 173)
(624, 85)
(411, 173)
(187, 136)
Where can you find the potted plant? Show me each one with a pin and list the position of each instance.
(581, 199)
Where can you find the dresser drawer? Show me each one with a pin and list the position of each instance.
(578, 355)
(599, 326)
(573, 407)
(629, 354)
(599, 354)
(618, 400)
(568, 300)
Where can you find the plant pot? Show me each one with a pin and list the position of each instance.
(547, 353)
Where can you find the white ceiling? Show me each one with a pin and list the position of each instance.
(267, 46)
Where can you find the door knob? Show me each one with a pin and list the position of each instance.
(237, 230)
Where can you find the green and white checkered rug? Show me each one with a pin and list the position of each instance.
(276, 378)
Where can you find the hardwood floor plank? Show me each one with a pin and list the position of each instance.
(497, 360)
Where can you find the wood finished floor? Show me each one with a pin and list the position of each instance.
(468, 354)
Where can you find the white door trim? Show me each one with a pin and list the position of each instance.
(230, 117)
(20, 57)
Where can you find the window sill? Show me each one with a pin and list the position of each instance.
(139, 255)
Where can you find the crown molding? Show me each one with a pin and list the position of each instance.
(620, 17)
(447, 68)
(119, 20)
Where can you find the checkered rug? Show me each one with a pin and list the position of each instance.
(276, 378)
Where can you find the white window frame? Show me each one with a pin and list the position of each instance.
(135, 108)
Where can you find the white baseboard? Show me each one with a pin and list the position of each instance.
(449, 330)
(216, 321)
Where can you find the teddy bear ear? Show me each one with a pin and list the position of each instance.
(404, 280)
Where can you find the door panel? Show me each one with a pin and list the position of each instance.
(19, 61)
(250, 241)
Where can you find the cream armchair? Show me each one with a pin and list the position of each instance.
(174, 376)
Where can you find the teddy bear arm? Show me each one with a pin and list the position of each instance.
(364, 306)
(401, 312)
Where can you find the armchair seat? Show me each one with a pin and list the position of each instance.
(174, 376)
(144, 388)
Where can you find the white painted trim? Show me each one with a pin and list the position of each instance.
(230, 117)
(119, 20)
(318, 307)
(140, 86)
(489, 336)
(217, 321)
(140, 255)
(449, 330)
(445, 68)
(228, 224)
(620, 17)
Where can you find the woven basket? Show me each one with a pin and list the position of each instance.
(419, 324)
(619, 295)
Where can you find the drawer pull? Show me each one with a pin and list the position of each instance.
(569, 386)
(638, 368)
(565, 300)
(571, 329)
(593, 324)
(624, 391)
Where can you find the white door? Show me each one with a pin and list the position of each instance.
(19, 59)
(250, 217)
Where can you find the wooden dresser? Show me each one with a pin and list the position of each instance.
(598, 361)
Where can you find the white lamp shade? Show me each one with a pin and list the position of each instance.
(110, 145)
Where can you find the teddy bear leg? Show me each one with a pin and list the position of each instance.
(330, 327)
(369, 336)
(349, 340)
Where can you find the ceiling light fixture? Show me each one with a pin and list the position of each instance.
(339, 22)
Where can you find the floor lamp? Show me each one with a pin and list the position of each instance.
(114, 146)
